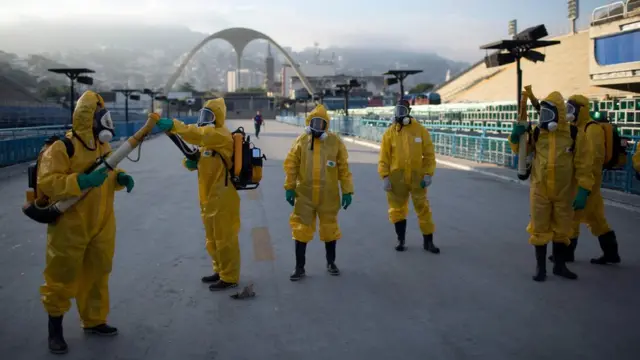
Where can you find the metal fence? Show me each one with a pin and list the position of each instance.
(18, 145)
(480, 144)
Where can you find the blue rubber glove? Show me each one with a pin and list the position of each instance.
(516, 132)
(191, 164)
(425, 182)
(346, 200)
(580, 201)
(290, 195)
(126, 180)
(165, 124)
(93, 179)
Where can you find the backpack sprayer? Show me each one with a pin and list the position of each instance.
(49, 213)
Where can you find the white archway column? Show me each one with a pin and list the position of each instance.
(238, 38)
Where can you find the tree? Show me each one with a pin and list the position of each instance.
(187, 87)
(56, 92)
(421, 88)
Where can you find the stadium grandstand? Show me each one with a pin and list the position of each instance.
(20, 108)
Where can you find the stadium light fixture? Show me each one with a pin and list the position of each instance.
(574, 13)
(398, 77)
(74, 74)
(345, 89)
(513, 28)
(152, 94)
(521, 46)
(128, 94)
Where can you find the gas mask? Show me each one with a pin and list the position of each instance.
(207, 117)
(548, 116)
(317, 128)
(573, 111)
(103, 128)
(401, 114)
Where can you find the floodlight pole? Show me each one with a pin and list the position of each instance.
(519, 81)
(126, 93)
(72, 74)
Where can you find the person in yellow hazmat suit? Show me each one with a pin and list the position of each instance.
(406, 165)
(316, 169)
(219, 200)
(559, 163)
(81, 244)
(593, 211)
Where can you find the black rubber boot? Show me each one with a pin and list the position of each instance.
(401, 230)
(102, 330)
(211, 278)
(57, 345)
(428, 244)
(609, 246)
(541, 263)
(330, 247)
(298, 272)
(221, 285)
(559, 266)
(570, 251)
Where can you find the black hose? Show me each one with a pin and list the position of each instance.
(189, 153)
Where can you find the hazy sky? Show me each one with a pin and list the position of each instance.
(453, 28)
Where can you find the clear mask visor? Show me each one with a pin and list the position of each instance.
(547, 114)
(106, 122)
(207, 117)
(318, 124)
(571, 110)
(401, 111)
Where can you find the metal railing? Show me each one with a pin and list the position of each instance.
(18, 145)
(482, 147)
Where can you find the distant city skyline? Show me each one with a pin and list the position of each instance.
(454, 29)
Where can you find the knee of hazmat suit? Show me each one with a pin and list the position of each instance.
(406, 156)
(558, 168)
(88, 226)
(317, 169)
(219, 200)
(593, 137)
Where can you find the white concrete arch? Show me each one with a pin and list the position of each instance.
(238, 38)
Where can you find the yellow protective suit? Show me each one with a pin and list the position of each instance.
(406, 156)
(593, 138)
(219, 200)
(80, 245)
(314, 175)
(554, 175)
(636, 159)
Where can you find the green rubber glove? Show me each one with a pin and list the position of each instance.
(580, 201)
(290, 195)
(165, 124)
(126, 180)
(346, 200)
(93, 179)
(191, 164)
(516, 132)
(426, 181)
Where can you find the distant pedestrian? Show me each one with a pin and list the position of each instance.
(257, 123)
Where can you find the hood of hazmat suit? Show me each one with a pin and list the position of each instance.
(558, 166)
(593, 137)
(406, 156)
(80, 245)
(317, 168)
(219, 200)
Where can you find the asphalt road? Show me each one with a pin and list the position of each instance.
(475, 300)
